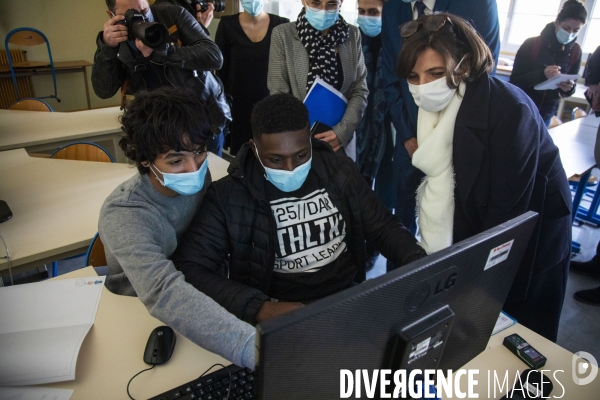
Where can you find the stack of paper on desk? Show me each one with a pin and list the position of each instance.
(42, 327)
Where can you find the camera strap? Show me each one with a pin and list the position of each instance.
(174, 34)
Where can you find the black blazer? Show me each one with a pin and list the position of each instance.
(505, 164)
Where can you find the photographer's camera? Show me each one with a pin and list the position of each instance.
(152, 34)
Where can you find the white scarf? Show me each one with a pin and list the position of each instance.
(435, 195)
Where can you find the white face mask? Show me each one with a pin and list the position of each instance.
(433, 96)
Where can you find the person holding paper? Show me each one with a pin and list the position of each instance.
(487, 158)
(552, 53)
(166, 134)
(291, 219)
(320, 44)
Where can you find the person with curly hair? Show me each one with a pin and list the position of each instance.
(166, 132)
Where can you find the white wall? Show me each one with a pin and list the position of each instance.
(71, 27)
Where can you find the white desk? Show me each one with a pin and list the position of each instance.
(591, 120)
(39, 131)
(112, 353)
(575, 142)
(498, 358)
(56, 203)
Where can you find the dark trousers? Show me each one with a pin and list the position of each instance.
(541, 311)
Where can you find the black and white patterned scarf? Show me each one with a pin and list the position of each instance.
(322, 49)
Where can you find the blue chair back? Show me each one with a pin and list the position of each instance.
(28, 37)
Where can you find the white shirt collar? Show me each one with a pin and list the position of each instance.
(428, 3)
(149, 16)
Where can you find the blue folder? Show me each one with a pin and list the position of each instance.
(325, 104)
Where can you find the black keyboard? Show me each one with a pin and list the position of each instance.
(215, 386)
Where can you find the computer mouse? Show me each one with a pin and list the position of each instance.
(160, 345)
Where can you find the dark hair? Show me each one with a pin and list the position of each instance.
(572, 9)
(111, 4)
(454, 40)
(163, 119)
(278, 113)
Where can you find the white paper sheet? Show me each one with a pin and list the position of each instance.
(553, 82)
(42, 327)
(34, 393)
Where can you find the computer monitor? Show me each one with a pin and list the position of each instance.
(437, 312)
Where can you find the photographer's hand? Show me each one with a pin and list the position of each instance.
(114, 33)
(145, 50)
(205, 17)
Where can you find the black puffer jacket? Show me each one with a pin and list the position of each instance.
(235, 222)
(188, 65)
(528, 72)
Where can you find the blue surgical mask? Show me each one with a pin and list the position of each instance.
(185, 183)
(321, 20)
(252, 7)
(565, 37)
(287, 181)
(370, 26)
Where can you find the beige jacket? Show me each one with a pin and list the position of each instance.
(288, 72)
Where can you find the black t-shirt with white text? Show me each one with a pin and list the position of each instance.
(312, 259)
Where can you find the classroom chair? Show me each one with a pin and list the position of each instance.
(96, 257)
(83, 151)
(31, 105)
(578, 113)
(555, 122)
(29, 37)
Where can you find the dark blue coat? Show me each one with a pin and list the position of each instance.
(483, 14)
(505, 164)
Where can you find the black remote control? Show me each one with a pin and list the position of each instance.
(519, 347)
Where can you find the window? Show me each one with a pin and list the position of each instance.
(591, 38)
(522, 19)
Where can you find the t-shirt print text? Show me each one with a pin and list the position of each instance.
(310, 232)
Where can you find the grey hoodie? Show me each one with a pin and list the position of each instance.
(139, 228)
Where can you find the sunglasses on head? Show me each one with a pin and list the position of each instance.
(433, 24)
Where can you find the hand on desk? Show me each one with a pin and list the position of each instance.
(271, 309)
(331, 138)
(566, 86)
(114, 32)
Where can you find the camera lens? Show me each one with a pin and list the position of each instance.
(219, 5)
(154, 36)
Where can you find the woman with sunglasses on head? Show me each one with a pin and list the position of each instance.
(487, 157)
(320, 44)
(552, 53)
